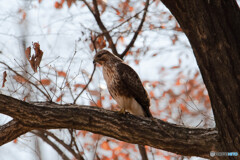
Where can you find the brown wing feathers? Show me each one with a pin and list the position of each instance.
(134, 85)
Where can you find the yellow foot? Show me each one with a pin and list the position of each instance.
(122, 111)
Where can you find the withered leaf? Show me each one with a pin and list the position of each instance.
(35, 59)
(4, 78)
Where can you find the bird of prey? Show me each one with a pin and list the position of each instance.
(125, 87)
(124, 84)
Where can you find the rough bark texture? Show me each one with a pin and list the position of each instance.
(213, 29)
(128, 128)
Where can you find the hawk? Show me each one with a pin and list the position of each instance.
(124, 84)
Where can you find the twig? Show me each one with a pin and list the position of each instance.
(137, 32)
(53, 145)
(79, 157)
(103, 28)
(46, 95)
(74, 102)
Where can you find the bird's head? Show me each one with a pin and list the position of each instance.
(104, 56)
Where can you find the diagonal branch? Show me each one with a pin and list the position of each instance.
(138, 130)
(105, 32)
(44, 137)
(137, 31)
(11, 131)
(103, 28)
(68, 147)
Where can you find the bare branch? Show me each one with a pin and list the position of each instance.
(103, 28)
(126, 127)
(86, 85)
(27, 80)
(68, 147)
(137, 31)
(53, 145)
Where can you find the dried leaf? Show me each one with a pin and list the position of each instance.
(105, 146)
(45, 82)
(79, 86)
(99, 103)
(34, 60)
(118, 13)
(121, 39)
(151, 94)
(58, 5)
(38, 55)
(15, 141)
(61, 73)
(19, 79)
(131, 9)
(28, 53)
(175, 67)
(136, 61)
(70, 2)
(60, 98)
(4, 78)
(94, 93)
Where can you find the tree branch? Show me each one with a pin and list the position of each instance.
(137, 31)
(11, 131)
(125, 127)
(53, 145)
(97, 17)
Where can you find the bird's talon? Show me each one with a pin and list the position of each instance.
(122, 111)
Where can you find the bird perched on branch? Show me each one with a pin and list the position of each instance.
(124, 84)
(125, 87)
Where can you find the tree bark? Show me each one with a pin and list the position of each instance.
(126, 127)
(212, 27)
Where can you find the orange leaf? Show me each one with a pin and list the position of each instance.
(151, 94)
(4, 78)
(99, 103)
(61, 74)
(58, 5)
(155, 83)
(136, 61)
(175, 67)
(45, 82)
(131, 9)
(79, 86)
(34, 60)
(118, 13)
(15, 140)
(19, 79)
(122, 39)
(94, 93)
(60, 98)
(28, 53)
(105, 145)
(178, 82)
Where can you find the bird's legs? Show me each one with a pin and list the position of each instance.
(122, 111)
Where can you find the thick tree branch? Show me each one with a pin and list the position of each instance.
(128, 128)
(11, 131)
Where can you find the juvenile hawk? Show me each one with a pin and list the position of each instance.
(124, 84)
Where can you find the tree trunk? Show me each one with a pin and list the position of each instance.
(213, 29)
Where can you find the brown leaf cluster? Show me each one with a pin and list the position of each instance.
(35, 59)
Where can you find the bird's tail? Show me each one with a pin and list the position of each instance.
(143, 152)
